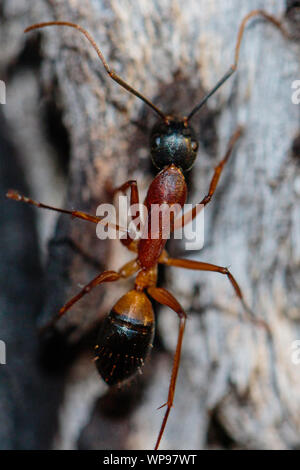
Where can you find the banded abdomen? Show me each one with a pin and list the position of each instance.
(125, 338)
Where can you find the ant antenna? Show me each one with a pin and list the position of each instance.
(110, 72)
(233, 67)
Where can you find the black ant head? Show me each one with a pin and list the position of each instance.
(173, 140)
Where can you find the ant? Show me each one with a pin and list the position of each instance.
(127, 333)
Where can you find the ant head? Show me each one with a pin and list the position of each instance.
(173, 140)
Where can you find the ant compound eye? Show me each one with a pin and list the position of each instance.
(194, 146)
(157, 141)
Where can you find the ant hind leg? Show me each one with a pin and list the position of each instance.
(106, 276)
(164, 297)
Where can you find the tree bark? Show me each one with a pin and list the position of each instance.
(236, 388)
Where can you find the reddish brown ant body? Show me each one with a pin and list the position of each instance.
(127, 332)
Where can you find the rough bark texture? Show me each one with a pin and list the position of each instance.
(236, 388)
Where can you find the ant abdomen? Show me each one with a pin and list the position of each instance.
(125, 338)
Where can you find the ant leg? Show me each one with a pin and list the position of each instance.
(11, 194)
(219, 168)
(134, 191)
(233, 67)
(200, 266)
(107, 276)
(166, 298)
(134, 199)
(189, 216)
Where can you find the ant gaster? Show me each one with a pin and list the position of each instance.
(127, 332)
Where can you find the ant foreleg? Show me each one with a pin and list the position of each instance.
(189, 216)
(134, 191)
(200, 266)
(166, 298)
(134, 199)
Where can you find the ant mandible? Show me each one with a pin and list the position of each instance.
(127, 332)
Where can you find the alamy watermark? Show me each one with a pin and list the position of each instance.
(2, 92)
(156, 221)
(295, 355)
(296, 93)
(2, 352)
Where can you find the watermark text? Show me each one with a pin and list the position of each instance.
(155, 222)
(2, 92)
(295, 355)
(2, 352)
(296, 93)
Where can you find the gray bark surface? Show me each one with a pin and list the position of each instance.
(236, 388)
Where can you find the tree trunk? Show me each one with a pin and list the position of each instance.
(75, 130)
